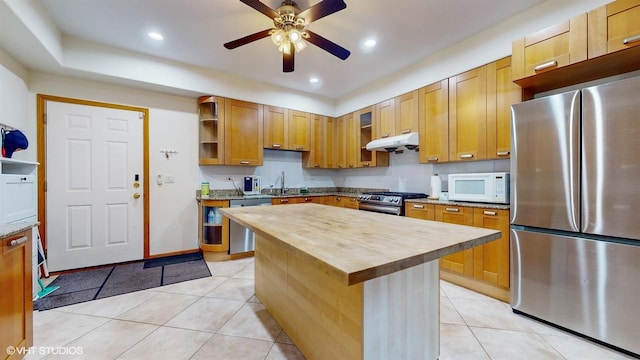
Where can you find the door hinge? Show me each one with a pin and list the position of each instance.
(141, 116)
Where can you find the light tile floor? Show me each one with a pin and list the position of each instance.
(219, 318)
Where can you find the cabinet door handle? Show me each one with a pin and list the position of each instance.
(452, 209)
(546, 65)
(366, 164)
(631, 39)
(316, 165)
(406, 131)
(350, 165)
(19, 241)
(276, 146)
(338, 198)
(466, 156)
(490, 213)
(384, 135)
(503, 153)
(299, 148)
(284, 201)
(340, 166)
(432, 158)
(244, 162)
(416, 206)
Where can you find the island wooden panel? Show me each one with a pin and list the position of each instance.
(321, 315)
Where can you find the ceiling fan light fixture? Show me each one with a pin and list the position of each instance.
(277, 36)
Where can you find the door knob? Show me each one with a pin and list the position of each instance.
(136, 196)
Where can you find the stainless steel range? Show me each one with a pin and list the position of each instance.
(387, 202)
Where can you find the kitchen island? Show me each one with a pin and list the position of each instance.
(349, 284)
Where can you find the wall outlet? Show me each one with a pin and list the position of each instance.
(169, 179)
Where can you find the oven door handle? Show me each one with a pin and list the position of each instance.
(394, 210)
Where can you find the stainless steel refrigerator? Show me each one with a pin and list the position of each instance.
(575, 211)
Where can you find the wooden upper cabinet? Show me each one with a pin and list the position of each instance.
(468, 115)
(275, 127)
(287, 129)
(551, 48)
(365, 122)
(211, 130)
(406, 117)
(321, 136)
(352, 144)
(299, 131)
(330, 143)
(341, 142)
(244, 136)
(433, 121)
(501, 94)
(385, 119)
(614, 27)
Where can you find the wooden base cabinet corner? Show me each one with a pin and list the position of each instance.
(484, 268)
(213, 230)
(16, 302)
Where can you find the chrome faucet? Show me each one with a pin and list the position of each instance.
(283, 189)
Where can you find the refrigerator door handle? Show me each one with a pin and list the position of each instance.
(574, 169)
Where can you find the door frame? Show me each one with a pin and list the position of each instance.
(41, 120)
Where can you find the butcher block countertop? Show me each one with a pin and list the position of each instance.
(353, 246)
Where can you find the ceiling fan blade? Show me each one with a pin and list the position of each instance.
(287, 59)
(322, 9)
(256, 4)
(327, 45)
(247, 39)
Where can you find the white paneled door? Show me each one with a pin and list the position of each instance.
(94, 196)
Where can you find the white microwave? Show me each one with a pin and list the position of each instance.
(480, 187)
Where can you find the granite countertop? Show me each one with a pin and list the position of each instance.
(232, 195)
(7, 230)
(355, 246)
(460, 203)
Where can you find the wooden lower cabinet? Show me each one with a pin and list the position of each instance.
(16, 302)
(325, 200)
(485, 268)
(346, 202)
(460, 262)
(213, 229)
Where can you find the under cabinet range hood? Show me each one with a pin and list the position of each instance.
(392, 143)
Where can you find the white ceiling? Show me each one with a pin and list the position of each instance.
(195, 31)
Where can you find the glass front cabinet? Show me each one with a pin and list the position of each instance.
(214, 228)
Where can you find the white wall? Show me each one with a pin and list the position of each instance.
(14, 101)
(173, 124)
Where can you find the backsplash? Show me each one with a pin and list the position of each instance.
(404, 173)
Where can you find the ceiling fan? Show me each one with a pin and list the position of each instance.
(289, 33)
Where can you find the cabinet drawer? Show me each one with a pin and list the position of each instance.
(420, 211)
(551, 48)
(614, 27)
(19, 201)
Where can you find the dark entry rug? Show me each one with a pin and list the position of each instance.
(114, 280)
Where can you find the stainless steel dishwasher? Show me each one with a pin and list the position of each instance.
(242, 239)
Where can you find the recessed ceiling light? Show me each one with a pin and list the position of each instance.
(314, 80)
(370, 43)
(155, 36)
